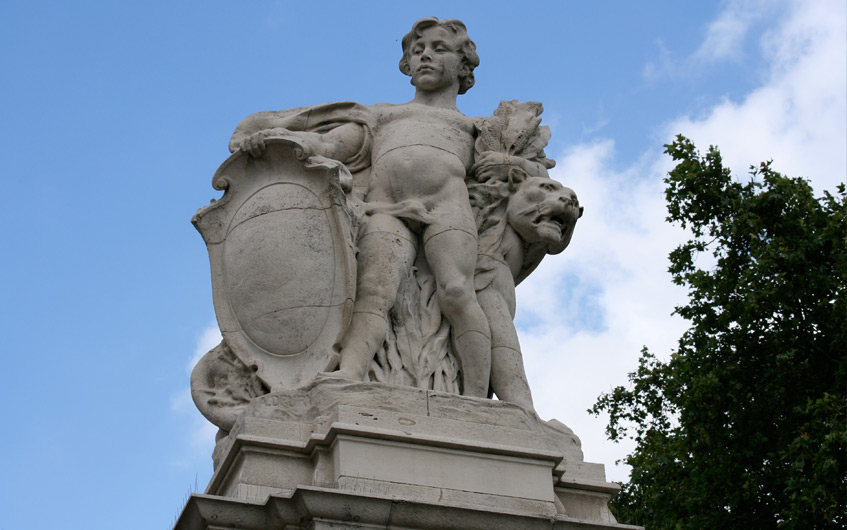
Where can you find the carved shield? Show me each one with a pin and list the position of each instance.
(282, 256)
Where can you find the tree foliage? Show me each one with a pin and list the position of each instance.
(744, 425)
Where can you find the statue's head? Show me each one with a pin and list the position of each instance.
(463, 45)
(543, 212)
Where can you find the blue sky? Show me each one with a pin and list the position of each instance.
(116, 115)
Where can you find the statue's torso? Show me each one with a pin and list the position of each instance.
(419, 152)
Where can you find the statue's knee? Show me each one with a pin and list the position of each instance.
(456, 296)
(375, 294)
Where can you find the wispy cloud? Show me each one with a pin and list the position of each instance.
(799, 116)
(201, 433)
(726, 34)
(663, 66)
(208, 339)
(726, 40)
(590, 129)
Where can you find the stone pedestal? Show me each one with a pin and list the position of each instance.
(339, 454)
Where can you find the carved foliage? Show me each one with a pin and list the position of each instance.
(515, 130)
(417, 350)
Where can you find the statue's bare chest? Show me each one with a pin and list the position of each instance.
(410, 125)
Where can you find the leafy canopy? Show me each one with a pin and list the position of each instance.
(744, 425)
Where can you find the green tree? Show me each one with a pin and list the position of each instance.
(744, 425)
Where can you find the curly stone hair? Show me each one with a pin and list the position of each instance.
(467, 48)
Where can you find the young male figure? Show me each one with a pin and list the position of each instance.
(421, 153)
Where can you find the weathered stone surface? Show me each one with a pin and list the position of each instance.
(364, 262)
(365, 443)
(314, 508)
(403, 191)
(413, 446)
(283, 274)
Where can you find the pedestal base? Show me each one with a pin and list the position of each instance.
(362, 455)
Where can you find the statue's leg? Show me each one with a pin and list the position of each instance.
(387, 250)
(508, 376)
(451, 255)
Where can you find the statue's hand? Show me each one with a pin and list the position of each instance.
(254, 145)
(308, 143)
(499, 167)
(494, 166)
(490, 166)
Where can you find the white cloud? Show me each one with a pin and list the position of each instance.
(208, 339)
(725, 35)
(725, 40)
(202, 439)
(201, 433)
(798, 117)
(615, 269)
(181, 401)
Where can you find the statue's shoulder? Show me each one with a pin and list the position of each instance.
(383, 111)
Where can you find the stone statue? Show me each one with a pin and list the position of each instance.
(364, 262)
(380, 243)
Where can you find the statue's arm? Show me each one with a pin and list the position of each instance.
(342, 143)
(261, 121)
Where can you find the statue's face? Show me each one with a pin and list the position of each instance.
(434, 59)
(543, 211)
